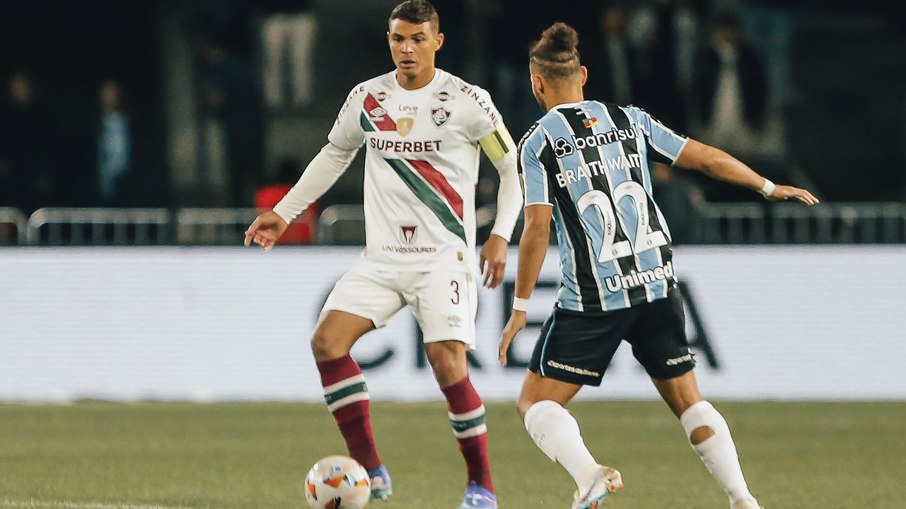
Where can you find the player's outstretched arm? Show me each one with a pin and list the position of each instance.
(265, 230)
(320, 174)
(720, 165)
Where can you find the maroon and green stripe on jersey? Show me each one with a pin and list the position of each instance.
(437, 180)
(374, 117)
(430, 186)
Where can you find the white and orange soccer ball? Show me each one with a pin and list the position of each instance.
(337, 482)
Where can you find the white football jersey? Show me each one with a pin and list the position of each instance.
(421, 166)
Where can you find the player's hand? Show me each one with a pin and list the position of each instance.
(493, 260)
(265, 230)
(783, 193)
(515, 324)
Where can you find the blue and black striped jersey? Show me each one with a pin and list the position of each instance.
(590, 161)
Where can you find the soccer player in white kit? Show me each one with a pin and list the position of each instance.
(422, 128)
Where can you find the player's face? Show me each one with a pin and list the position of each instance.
(412, 46)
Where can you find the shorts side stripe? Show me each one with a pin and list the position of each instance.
(546, 338)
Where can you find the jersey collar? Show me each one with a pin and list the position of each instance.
(437, 77)
(566, 105)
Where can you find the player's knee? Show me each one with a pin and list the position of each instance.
(445, 366)
(448, 361)
(522, 407)
(324, 347)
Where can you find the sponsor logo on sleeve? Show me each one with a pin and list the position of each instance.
(377, 114)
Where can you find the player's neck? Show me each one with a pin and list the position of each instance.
(557, 92)
(553, 99)
(418, 81)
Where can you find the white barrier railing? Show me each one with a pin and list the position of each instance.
(101, 226)
(13, 225)
(794, 223)
(213, 226)
(342, 224)
(715, 223)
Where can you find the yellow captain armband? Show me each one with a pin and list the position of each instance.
(497, 144)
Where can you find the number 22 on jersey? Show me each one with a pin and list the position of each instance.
(645, 238)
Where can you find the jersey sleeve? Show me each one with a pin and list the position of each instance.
(485, 125)
(664, 145)
(535, 182)
(483, 118)
(347, 132)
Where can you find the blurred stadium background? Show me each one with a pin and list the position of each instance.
(139, 139)
(210, 112)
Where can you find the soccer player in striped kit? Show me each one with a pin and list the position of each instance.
(422, 129)
(586, 165)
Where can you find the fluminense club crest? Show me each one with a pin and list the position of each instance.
(440, 116)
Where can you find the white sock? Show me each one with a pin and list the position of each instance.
(556, 432)
(718, 451)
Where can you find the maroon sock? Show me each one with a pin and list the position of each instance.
(347, 398)
(468, 422)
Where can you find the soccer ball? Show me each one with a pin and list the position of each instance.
(337, 482)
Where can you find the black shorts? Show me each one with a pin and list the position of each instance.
(576, 347)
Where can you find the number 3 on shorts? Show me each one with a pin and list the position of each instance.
(454, 284)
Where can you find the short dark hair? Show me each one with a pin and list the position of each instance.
(555, 55)
(416, 11)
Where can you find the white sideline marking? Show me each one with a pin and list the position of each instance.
(63, 504)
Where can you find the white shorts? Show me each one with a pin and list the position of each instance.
(443, 301)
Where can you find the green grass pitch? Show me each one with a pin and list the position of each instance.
(95, 455)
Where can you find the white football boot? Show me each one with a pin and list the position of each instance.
(602, 482)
